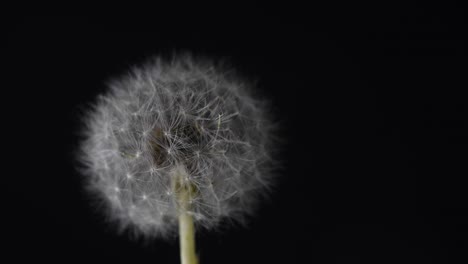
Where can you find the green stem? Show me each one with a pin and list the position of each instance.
(187, 239)
(184, 193)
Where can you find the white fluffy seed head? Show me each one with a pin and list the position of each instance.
(187, 115)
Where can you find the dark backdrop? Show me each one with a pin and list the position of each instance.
(374, 112)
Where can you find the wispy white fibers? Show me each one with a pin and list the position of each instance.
(186, 115)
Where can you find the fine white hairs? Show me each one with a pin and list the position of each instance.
(173, 124)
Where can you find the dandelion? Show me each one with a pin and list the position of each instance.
(178, 144)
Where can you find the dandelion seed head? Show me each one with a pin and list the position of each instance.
(165, 115)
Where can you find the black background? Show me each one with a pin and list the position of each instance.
(374, 112)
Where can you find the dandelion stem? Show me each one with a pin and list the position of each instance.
(187, 239)
(186, 226)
